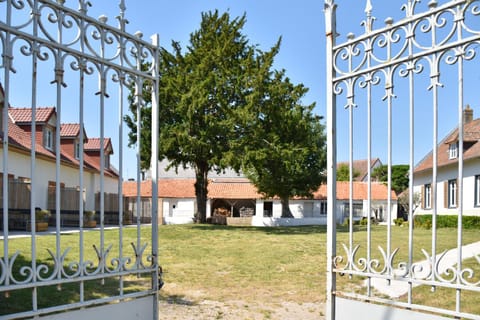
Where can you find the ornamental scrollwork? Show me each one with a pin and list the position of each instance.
(432, 268)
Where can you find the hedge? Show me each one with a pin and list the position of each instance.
(447, 221)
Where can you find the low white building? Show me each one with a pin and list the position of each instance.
(238, 198)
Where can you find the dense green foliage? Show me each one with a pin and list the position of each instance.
(285, 153)
(446, 221)
(399, 176)
(222, 106)
(203, 90)
(343, 173)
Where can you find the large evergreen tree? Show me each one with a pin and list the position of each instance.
(202, 91)
(285, 153)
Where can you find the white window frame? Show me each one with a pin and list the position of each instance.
(48, 138)
(477, 191)
(452, 193)
(323, 207)
(453, 150)
(427, 197)
(76, 149)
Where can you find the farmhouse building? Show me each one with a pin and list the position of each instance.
(448, 153)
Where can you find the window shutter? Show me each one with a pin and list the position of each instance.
(445, 194)
(422, 200)
(456, 194)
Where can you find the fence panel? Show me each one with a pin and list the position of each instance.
(399, 93)
(53, 53)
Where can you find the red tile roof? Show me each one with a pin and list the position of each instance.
(471, 145)
(240, 188)
(17, 137)
(93, 144)
(70, 130)
(379, 191)
(24, 115)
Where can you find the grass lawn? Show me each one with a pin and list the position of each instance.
(246, 263)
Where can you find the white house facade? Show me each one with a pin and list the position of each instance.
(447, 188)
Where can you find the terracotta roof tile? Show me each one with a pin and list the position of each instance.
(360, 191)
(93, 144)
(232, 189)
(19, 138)
(241, 189)
(24, 115)
(70, 130)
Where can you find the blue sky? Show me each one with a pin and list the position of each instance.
(302, 54)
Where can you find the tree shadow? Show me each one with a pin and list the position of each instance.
(290, 230)
(176, 299)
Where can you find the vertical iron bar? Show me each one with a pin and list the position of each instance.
(389, 176)
(461, 127)
(120, 169)
(59, 82)
(7, 60)
(32, 155)
(81, 180)
(369, 174)
(121, 45)
(154, 166)
(139, 95)
(331, 32)
(411, 167)
(103, 93)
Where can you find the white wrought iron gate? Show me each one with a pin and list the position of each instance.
(401, 93)
(60, 157)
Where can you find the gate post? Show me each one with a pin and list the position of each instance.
(330, 29)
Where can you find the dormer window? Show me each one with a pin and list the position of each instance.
(48, 143)
(453, 150)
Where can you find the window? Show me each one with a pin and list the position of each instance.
(267, 209)
(453, 150)
(77, 149)
(357, 210)
(427, 196)
(477, 191)
(323, 207)
(48, 139)
(452, 193)
(107, 161)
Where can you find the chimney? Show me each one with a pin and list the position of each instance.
(467, 114)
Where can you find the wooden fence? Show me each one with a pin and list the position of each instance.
(18, 194)
(69, 198)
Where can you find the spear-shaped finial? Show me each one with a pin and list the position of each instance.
(121, 17)
(369, 21)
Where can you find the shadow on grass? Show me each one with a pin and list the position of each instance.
(176, 300)
(290, 230)
(298, 230)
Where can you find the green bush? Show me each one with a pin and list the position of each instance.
(398, 221)
(446, 221)
(364, 221)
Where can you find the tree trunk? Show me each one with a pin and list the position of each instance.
(201, 184)
(286, 213)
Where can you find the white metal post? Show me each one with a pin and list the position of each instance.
(330, 29)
